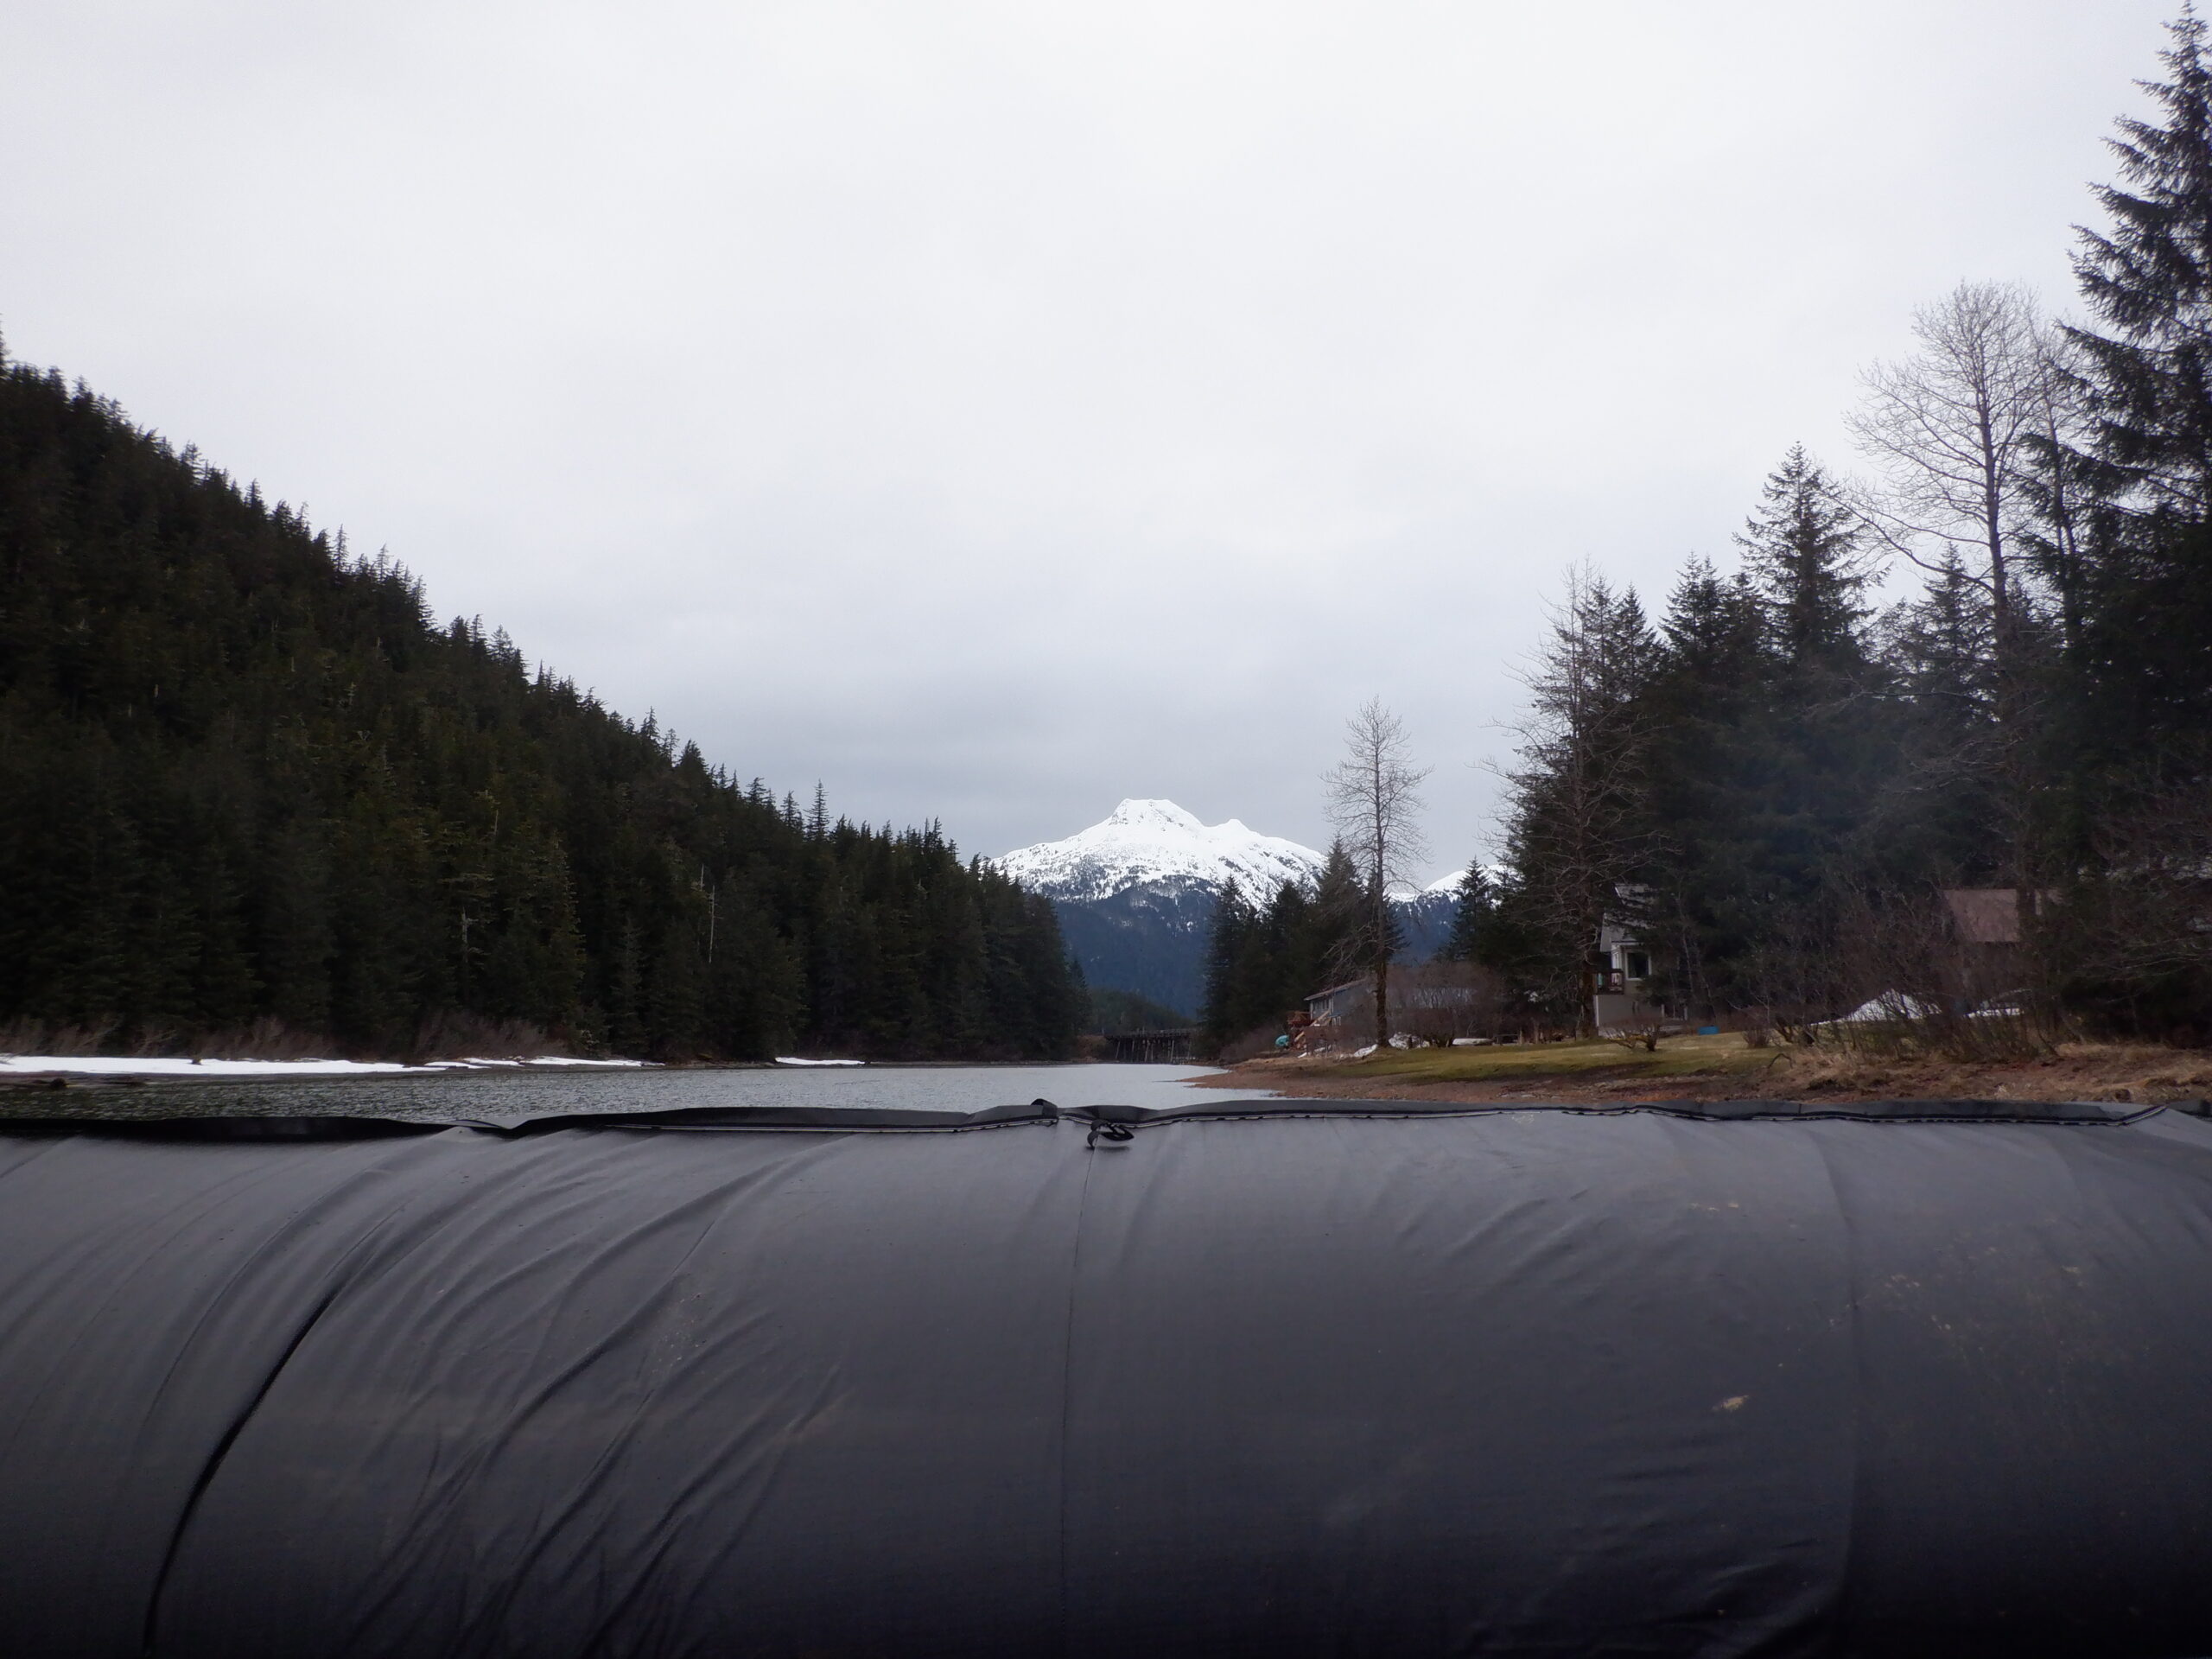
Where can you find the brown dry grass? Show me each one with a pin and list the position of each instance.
(2123, 1072)
(1716, 1068)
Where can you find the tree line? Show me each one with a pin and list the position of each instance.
(1266, 954)
(1772, 781)
(1770, 784)
(251, 793)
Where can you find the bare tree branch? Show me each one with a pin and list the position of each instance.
(1374, 802)
(1951, 430)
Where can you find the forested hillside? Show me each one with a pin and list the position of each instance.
(1773, 782)
(246, 782)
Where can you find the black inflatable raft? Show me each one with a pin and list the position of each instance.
(1269, 1379)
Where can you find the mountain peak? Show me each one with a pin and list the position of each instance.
(1135, 894)
(1144, 842)
(1132, 814)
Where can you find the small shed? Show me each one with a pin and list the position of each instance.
(1984, 915)
(1986, 922)
(1339, 1002)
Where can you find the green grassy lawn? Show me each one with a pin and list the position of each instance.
(1678, 1057)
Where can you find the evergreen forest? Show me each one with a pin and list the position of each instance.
(254, 798)
(1265, 955)
(1115, 1014)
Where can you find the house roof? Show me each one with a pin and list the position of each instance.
(1331, 990)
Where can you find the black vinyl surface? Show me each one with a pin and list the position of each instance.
(1255, 1378)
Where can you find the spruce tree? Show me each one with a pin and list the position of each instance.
(2149, 281)
(1474, 918)
(1232, 925)
(1803, 552)
(1714, 664)
(1578, 831)
(2141, 668)
(1710, 641)
(1334, 918)
(1944, 819)
(1772, 734)
(1271, 978)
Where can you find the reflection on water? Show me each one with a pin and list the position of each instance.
(494, 1097)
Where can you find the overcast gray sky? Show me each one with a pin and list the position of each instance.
(996, 411)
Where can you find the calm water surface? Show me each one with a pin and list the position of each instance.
(496, 1096)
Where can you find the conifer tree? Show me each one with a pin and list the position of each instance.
(1803, 554)
(1578, 828)
(1949, 812)
(1713, 665)
(2149, 281)
(1791, 768)
(1474, 918)
(1226, 937)
(1712, 645)
(2141, 668)
(1334, 917)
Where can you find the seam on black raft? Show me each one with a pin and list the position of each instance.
(1067, 1389)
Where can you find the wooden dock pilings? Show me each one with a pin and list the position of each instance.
(1173, 1046)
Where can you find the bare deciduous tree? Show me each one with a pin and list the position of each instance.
(1951, 429)
(1441, 1002)
(1964, 432)
(2062, 433)
(1375, 802)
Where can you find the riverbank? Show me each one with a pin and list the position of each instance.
(1723, 1067)
(511, 1094)
(69, 1071)
(40, 1066)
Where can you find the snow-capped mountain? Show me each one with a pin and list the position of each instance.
(1425, 917)
(1156, 842)
(1135, 894)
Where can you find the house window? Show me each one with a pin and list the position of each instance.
(1639, 965)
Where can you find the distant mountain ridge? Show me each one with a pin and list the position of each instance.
(1135, 894)
(1150, 843)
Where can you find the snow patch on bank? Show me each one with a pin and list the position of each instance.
(102, 1066)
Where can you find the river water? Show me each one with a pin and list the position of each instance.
(499, 1094)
